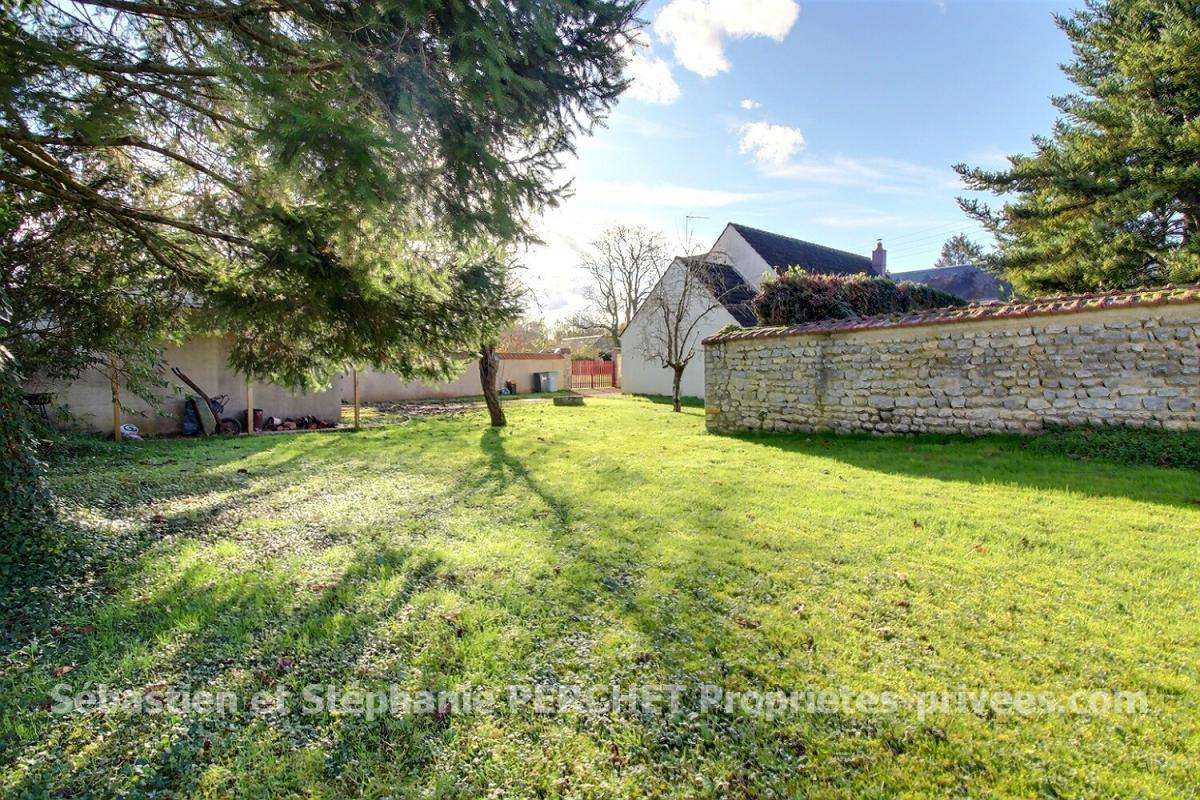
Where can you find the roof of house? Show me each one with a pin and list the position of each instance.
(781, 252)
(1044, 306)
(962, 280)
(727, 285)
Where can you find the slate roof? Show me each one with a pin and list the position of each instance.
(964, 280)
(782, 252)
(1040, 307)
(728, 286)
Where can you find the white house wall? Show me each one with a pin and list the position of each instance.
(643, 374)
(732, 249)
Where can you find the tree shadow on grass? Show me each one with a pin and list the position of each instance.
(602, 603)
(687, 401)
(239, 632)
(995, 460)
(92, 551)
(668, 611)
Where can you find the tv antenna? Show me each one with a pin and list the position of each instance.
(687, 226)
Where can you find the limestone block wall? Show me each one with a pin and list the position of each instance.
(977, 372)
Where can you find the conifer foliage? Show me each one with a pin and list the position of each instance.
(1111, 198)
(328, 180)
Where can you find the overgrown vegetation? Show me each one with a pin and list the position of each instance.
(24, 497)
(1123, 445)
(440, 554)
(798, 296)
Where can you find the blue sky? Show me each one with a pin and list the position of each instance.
(835, 122)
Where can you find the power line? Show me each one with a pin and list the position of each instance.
(927, 233)
(918, 245)
(924, 230)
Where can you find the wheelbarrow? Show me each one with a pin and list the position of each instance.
(208, 414)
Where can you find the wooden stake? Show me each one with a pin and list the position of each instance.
(249, 406)
(356, 399)
(116, 397)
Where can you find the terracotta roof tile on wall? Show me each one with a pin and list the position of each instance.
(1039, 307)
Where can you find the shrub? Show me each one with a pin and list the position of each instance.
(24, 496)
(1123, 445)
(797, 296)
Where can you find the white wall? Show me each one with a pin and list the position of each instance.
(88, 399)
(379, 387)
(643, 374)
(732, 249)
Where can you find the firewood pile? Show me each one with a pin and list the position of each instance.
(305, 423)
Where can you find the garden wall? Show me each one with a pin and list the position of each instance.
(1121, 358)
(379, 387)
(87, 401)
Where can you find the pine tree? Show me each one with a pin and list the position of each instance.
(1111, 198)
(318, 177)
(959, 249)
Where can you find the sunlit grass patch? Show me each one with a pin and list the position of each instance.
(615, 544)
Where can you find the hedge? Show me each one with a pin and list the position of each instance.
(797, 296)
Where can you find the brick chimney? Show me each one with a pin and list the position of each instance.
(879, 258)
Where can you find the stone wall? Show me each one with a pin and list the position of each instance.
(1129, 364)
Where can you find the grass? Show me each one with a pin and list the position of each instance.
(619, 544)
(395, 413)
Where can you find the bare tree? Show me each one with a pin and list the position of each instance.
(691, 289)
(526, 335)
(624, 264)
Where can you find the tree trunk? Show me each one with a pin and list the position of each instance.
(675, 388)
(489, 371)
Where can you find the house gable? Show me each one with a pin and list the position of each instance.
(779, 252)
(732, 248)
(643, 374)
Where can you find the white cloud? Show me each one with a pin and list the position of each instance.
(652, 81)
(880, 174)
(697, 29)
(650, 77)
(771, 145)
(552, 267)
(618, 193)
(749, 104)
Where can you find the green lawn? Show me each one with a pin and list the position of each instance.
(614, 544)
(400, 412)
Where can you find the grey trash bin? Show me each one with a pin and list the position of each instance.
(544, 381)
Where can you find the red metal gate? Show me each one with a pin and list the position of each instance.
(593, 375)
